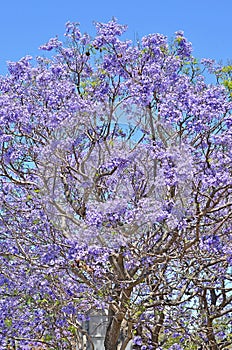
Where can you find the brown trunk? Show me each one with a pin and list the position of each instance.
(115, 322)
(211, 337)
(158, 327)
(113, 331)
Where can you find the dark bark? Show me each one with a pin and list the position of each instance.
(113, 330)
(115, 322)
(158, 327)
(211, 337)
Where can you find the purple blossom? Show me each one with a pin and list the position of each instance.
(137, 340)
(53, 43)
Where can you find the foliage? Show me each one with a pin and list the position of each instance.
(115, 180)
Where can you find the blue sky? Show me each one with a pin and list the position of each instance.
(25, 25)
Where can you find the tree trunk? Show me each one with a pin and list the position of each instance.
(115, 321)
(113, 330)
(211, 337)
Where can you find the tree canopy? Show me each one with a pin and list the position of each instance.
(115, 179)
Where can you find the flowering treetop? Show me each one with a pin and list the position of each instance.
(115, 194)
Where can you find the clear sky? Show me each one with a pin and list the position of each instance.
(25, 25)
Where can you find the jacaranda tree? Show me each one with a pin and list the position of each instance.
(115, 175)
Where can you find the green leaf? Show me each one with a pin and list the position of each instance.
(8, 322)
(228, 84)
(72, 329)
(48, 337)
(227, 69)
